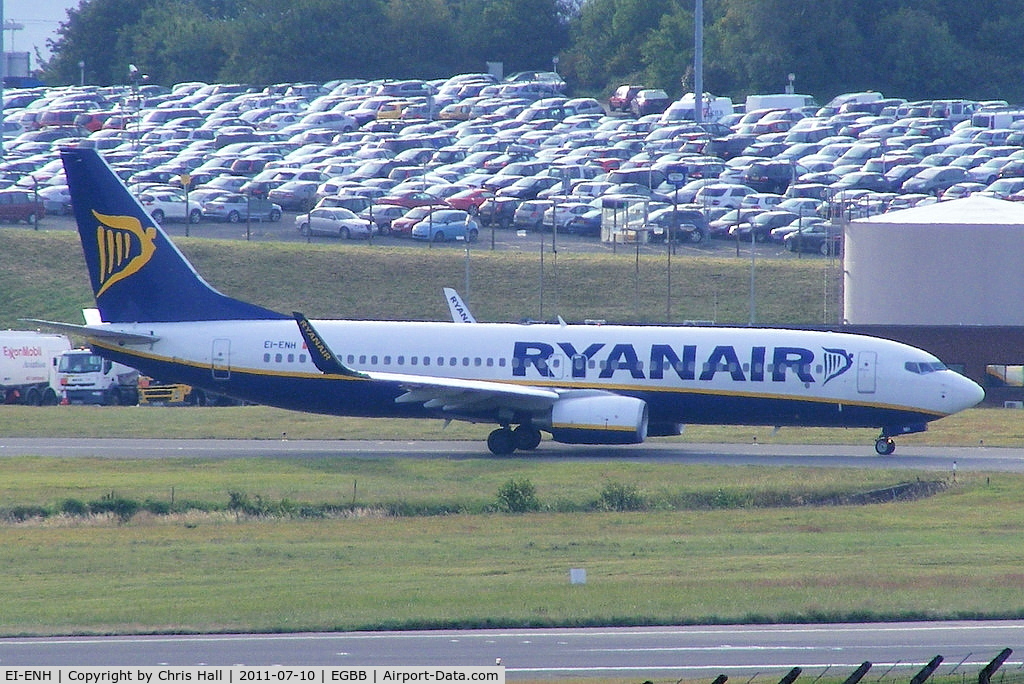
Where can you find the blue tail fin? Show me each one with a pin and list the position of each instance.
(137, 273)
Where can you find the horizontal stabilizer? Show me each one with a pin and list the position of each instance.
(105, 333)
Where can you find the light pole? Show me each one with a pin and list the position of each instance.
(698, 62)
(81, 72)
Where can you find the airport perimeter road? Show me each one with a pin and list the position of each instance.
(911, 457)
(741, 652)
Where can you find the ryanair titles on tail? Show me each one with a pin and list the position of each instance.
(762, 364)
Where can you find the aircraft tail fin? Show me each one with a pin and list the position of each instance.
(459, 311)
(137, 273)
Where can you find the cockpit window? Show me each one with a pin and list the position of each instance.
(924, 367)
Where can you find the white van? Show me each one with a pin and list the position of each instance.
(682, 109)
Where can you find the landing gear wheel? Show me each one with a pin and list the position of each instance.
(884, 446)
(501, 442)
(526, 437)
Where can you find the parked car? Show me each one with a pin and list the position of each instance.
(562, 213)
(530, 214)
(233, 208)
(165, 205)
(771, 176)
(447, 224)
(722, 195)
(409, 198)
(622, 98)
(333, 221)
(402, 226)
(685, 225)
(823, 238)
(294, 195)
(20, 205)
(934, 180)
(382, 215)
(650, 101)
(56, 199)
(354, 203)
(762, 225)
(498, 211)
(469, 199)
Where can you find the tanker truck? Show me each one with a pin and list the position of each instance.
(28, 367)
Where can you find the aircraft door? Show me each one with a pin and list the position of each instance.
(866, 378)
(557, 365)
(221, 359)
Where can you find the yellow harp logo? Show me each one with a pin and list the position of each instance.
(124, 247)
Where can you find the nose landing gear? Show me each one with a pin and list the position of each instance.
(884, 446)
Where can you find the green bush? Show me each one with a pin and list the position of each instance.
(74, 507)
(123, 508)
(518, 496)
(616, 496)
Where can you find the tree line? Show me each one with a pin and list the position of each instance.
(916, 49)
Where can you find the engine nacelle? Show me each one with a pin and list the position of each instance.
(599, 419)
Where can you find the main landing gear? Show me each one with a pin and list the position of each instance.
(505, 440)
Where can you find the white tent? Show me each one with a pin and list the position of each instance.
(950, 263)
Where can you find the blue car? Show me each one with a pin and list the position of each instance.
(447, 224)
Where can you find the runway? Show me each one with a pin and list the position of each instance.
(826, 456)
(742, 652)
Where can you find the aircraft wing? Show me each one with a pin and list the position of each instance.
(453, 394)
(105, 333)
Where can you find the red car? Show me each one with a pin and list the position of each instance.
(470, 199)
(623, 97)
(20, 205)
(402, 226)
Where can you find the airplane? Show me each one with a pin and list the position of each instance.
(580, 383)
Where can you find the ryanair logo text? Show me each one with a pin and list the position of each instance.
(761, 365)
(124, 248)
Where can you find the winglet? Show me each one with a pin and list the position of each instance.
(324, 359)
(457, 307)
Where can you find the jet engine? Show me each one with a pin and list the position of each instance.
(599, 419)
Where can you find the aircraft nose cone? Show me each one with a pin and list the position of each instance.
(965, 393)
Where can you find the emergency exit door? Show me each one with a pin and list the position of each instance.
(221, 358)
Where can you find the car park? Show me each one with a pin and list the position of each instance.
(525, 129)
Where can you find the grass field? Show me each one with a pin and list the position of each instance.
(708, 547)
(44, 277)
